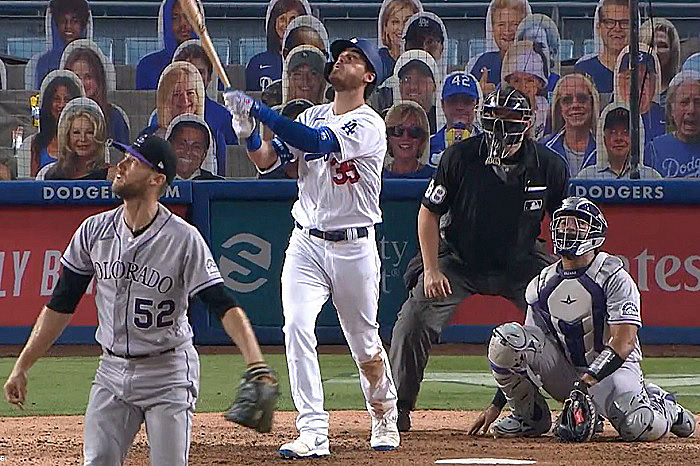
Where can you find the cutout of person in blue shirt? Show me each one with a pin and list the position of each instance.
(649, 83)
(575, 109)
(541, 30)
(215, 114)
(502, 20)
(417, 79)
(391, 23)
(677, 154)
(66, 21)
(611, 27)
(407, 142)
(38, 150)
(96, 72)
(663, 37)
(461, 95)
(173, 30)
(266, 67)
(614, 141)
(426, 31)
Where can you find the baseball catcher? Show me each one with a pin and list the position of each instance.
(579, 343)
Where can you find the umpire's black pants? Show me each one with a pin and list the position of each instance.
(421, 320)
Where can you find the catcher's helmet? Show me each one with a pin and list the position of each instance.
(369, 52)
(505, 115)
(578, 226)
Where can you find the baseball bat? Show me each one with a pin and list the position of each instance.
(196, 20)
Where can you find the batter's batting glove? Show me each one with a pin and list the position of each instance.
(576, 423)
(241, 104)
(256, 399)
(243, 126)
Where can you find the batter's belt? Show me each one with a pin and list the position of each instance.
(336, 235)
(138, 356)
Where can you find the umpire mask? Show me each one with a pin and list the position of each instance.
(505, 118)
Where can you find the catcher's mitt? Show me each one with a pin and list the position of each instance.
(256, 399)
(577, 420)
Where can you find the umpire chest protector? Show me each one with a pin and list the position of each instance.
(494, 218)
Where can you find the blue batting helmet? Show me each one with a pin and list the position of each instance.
(578, 226)
(369, 52)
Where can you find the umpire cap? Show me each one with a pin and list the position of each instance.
(369, 52)
(155, 152)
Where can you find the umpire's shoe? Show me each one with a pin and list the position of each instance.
(305, 446)
(685, 424)
(404, 420)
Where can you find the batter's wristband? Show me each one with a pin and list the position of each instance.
(499, 399)
(607, 362)
(253, 143)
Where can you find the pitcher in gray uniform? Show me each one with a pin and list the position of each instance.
(580, 333)
(147, 264)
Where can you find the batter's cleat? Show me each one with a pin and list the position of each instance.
(305, 446)
(404, 420)
(385, 434)
(685, 424)
(513, 426)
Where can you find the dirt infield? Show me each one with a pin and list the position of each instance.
(436, 435)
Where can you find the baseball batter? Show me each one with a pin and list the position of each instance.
(339, 148)
(580, 344)
(147, 264)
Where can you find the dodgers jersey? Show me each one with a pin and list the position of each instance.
(341, 190)
(143, 283)
(577, 307)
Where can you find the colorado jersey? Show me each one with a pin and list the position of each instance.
(577, 307)
(341, 189)
(142, 286)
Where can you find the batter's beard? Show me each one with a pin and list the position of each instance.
(340, 85)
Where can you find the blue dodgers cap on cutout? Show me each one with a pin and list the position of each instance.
(155, 152)
(460, 84)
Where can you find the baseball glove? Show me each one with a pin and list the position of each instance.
(577, 420)
(256, 399)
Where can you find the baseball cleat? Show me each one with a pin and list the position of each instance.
(404, 420)
(308, 446)
(385, 434)
(513, 426)
(685, 424)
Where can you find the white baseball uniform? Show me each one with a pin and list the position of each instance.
(149, 370)
(339, 193)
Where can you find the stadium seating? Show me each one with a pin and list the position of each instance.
(138, 47)
(566, 49)
(25, 47)
(476, 47)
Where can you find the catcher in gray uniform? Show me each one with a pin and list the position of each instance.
(147, 264)
(579, 343)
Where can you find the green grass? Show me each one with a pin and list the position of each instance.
(59, 386)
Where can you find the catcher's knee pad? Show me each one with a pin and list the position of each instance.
(635, 419)
(508, 345)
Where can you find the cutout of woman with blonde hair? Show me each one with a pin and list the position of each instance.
(82, 137)
(392, 19)
(407, 142)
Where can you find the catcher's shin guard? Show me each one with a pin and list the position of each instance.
(636, 419)
(507, 353)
